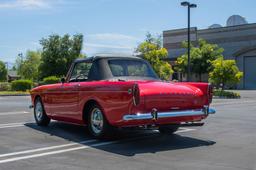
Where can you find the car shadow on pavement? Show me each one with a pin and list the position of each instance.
(156, 143)
(126, 143)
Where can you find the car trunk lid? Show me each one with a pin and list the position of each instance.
(170, 96)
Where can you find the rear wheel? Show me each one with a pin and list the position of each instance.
(97, 123)
(39, 113)
(168, 129)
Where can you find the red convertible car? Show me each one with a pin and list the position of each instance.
(107, 91)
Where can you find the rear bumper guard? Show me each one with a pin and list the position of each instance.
(154, 115)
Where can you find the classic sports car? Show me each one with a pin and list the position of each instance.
(107, 91)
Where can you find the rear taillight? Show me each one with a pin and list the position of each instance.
(136, 94)
(210, 92)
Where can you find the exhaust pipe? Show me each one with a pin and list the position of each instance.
(192, 124)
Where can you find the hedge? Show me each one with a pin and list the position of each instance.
(51, 80)
(21, 85)
(225, 94)
(5, 86)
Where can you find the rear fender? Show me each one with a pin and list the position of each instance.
(206, 89)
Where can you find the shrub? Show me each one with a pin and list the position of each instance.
(21, 85)
(5, 86)
(226, 94)
(225, 72)
(51, 80)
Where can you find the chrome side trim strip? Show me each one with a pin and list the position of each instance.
(147, 116)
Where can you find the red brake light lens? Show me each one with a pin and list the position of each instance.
(210, 92)
(136, 94)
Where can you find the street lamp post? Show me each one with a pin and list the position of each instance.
(189, 5)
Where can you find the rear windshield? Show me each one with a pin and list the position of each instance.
(135, 68)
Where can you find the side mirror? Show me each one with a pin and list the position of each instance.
(62, 80)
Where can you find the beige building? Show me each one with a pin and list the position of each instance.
(238, 41)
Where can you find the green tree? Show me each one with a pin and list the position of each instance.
(225, 72)
(201, 58)
(58, 52)
(3, 71)
(28, 68)
(152, 51)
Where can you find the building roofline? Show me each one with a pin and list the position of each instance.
(173, 31)
(228, 27)
(208, 30)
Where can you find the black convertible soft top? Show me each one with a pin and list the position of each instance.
(100, 69)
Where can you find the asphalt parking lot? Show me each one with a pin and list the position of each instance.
(226, 142)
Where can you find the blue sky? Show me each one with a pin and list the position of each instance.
(107, 25)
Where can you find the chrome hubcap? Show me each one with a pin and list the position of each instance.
(97, 120)
(39, 111)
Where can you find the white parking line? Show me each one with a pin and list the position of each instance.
(20, 124)
(13, 113)
(184, 130)
(45, 148)
(55, 152)
(3, 127)
(62, 150)
(12, 125)
(180, 130)
(233, 102)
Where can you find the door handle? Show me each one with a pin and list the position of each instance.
(77, 85)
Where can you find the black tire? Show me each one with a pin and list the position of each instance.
(41, 118)
(168, 129)
(103, 130)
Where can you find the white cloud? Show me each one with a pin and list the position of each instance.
(33, 3)
(91, 48)
(107, 46)
(111, 36)
(25, 4)
(109, 42)
(6, 46)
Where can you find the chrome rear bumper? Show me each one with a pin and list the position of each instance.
(156, 115)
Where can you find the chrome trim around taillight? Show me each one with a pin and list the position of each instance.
(170, 114)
